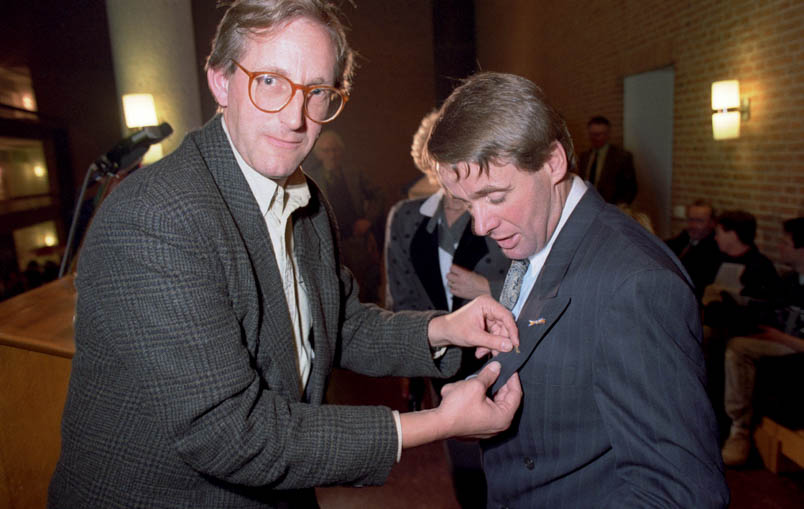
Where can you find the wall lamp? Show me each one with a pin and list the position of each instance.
(728, 109)
(140, 111)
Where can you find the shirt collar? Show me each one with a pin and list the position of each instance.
(430, 205)
(266, 190)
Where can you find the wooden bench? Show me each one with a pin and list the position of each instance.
(781, 449)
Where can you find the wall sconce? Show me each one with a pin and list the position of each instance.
(728, 109)
(140, 111)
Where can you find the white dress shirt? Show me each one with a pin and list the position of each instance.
(276, 205)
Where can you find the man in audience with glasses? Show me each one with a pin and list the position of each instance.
(212, 308)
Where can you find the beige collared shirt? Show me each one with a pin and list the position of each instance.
(277, 203)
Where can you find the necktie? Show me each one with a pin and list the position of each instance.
(513, 283)
(593, 168)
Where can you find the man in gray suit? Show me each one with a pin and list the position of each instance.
(212, 308)
(614, 411)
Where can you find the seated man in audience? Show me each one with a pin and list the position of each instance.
(783, 335)
(695, 246)
(746, 278)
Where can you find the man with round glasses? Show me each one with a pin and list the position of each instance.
(212, 308)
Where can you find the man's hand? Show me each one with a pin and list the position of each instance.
(467, 284)
(465, 410)
(473, 414)
(483, 322)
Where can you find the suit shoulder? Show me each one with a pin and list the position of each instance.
(628, 246)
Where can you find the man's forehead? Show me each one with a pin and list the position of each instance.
(284, 40)
(470, 178)
(699, 211)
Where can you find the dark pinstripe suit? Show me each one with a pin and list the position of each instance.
(184, 389)
(614, 411)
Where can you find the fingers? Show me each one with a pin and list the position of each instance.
(501, 321)
(510, 395)
(457, 270)
(489, 374)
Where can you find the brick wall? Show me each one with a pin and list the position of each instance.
(580, 52)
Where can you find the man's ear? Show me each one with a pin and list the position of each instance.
(556, 164)
(219, 86)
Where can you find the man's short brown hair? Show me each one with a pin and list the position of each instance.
(501, 119)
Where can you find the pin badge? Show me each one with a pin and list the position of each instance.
(540, 321)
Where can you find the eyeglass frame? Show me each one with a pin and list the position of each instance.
(293, 88)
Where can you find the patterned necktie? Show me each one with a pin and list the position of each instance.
(513, 283)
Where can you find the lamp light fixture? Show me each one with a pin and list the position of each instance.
(728, 109)
(139, 110)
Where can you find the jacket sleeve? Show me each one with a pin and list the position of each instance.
(665, 445)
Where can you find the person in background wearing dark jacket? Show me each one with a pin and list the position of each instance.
(609, 168)
(782, 334)
(695, 246)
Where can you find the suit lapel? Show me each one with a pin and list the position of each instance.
(276, 332)
(544, 307)
(424, 257)
(535, 321)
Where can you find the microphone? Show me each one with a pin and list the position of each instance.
(131, 149)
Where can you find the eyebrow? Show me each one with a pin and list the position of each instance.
(283, 72)
(488, 189)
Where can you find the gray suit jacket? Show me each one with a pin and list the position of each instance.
(614, 412)
(184, 389)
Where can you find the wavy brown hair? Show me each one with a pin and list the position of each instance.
(245, 18)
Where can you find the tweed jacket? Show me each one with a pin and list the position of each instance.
(614, 410)
(617, 182)
(185, 389)
(411, 260)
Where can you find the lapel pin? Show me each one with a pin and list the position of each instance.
(540, 321)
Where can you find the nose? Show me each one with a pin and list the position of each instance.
(482, 221)
(292, 115)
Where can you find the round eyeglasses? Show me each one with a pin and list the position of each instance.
(271, 92)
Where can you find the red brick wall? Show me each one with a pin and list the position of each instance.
(580, 52)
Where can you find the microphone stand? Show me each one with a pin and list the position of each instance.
(100, 169)
(124, 157)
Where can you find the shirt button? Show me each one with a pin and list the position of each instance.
(529, 464)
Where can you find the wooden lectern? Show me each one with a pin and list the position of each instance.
(36, 348)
